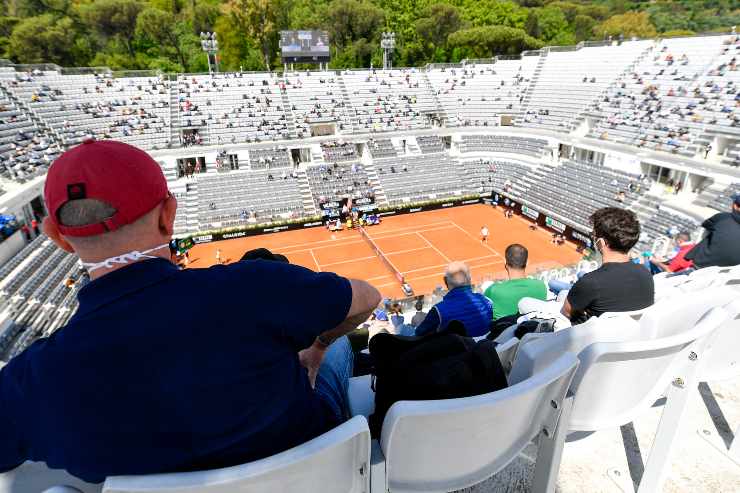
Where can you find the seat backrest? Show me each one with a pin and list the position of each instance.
(618, 381)
(722, 360)
(450, 444)
(679, 313)
(615, 328)
(336, 462)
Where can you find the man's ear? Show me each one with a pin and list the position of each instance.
(50, 229)
(167, 216)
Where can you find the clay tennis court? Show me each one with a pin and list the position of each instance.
(418, 245)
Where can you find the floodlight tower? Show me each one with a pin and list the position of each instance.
(209, 43)
(388, 43)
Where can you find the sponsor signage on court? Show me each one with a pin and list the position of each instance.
(529, 212)
(554, 224)
(329, 213)
(580, 237)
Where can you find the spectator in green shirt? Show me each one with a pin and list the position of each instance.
(505, 295)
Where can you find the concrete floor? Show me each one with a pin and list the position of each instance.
(696, 466)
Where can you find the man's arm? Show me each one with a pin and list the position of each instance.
(430, 324)
(578, 299)
(364, 300)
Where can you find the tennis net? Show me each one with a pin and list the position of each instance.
(382, 256)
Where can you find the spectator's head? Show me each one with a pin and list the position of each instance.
(419, 305)
(264, 254)
(516, 259)
(736, 202)
(615, 229)
(106, 199)
(683, 237)
(457, 275)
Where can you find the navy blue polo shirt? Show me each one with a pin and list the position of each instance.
(165, 370)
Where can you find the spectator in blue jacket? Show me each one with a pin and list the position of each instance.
(474, 310)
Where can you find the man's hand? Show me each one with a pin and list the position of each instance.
(311, 359)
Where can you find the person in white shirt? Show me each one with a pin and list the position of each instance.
(484, 234)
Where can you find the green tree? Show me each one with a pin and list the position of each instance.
(629, 24)
(204, 17)
(114, 19)
(551, 22)
(482, 42)
(493, 13)
(437, 22)
(162, 28)
(44, 39)
(259, 20)
(676, 33)
(583, 26)
(351, 20)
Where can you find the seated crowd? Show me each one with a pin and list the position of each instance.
(266, 378)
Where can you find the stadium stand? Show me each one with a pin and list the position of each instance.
(503, 143)
(661, 103)
(381, 148)
(335, 152)
(222, 202)
(430, 143)
(478, 94)
(269, 158)
(566, 82)
(131, 109)
(389, 100)
(233, 107)
(486, 175)
(315, 98)
(335, 181)
(573, 191)
(413, 178)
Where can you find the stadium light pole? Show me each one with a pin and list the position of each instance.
(209, 43)
(388, 43)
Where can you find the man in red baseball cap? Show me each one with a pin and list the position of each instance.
(139, 382)
(107, 202)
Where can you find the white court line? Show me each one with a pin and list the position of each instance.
(485, 245)
(410, 280)
(343, 243)
(315, 261)
(409, 227)
(396, 235)
(350, 260)
(406, 251)
(433, 247)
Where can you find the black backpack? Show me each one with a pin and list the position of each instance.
(443, 365)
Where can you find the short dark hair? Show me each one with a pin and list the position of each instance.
(619, 228)
(684, 234)
(516, 256)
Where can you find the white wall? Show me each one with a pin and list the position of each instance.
(11, 246)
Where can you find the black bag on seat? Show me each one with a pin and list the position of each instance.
(443, 365)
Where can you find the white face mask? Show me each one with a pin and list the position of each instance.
(123, 259)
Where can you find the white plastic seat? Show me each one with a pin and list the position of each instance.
(429, 446)
(618, 381)
(675, 314)
(723, 363)
(336, 461)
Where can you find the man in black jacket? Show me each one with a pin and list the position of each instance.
(721, 243)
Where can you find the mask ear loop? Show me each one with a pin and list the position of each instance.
(123, 259)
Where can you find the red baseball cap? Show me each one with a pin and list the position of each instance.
(121, 175)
